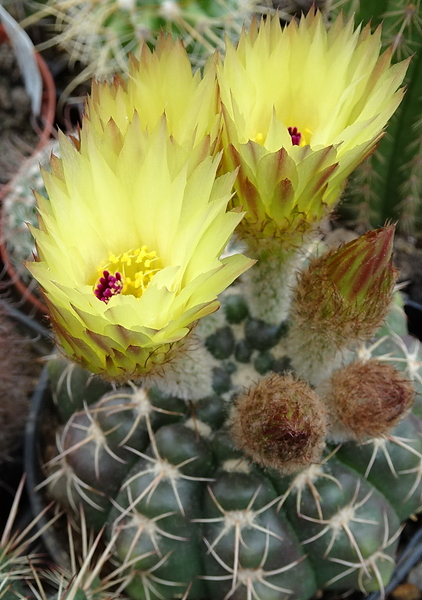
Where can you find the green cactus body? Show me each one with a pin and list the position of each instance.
(252, 549)
(190, 516)
(72, 387)
(155, 508)
(385, 461)
(347, 526)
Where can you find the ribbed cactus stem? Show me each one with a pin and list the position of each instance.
(195, 517)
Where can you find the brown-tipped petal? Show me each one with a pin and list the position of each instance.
(280, 423)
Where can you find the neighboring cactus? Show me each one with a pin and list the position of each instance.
(389, 184)
(18, 561)
(19, 209)
(83, 576)
(207, 375)
(102, 35)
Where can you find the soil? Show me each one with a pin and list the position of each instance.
(18, 136)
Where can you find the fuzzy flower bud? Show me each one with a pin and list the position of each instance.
(340, 299)
(366, 400)
(280, 423)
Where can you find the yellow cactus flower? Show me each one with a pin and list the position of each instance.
(161, 81)
(128, 246)
(302, 107)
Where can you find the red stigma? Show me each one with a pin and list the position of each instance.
(295, 135)
(108, 286)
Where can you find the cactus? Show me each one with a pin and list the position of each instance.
(18, 210)
(101, 36)
(212, 435)
(191, 515)
(229, 496)
(18, 561)
(389, 184)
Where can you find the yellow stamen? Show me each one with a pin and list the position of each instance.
(259, 139)
(306, 137)
(136, 269)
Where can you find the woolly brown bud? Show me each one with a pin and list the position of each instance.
(366, 399)
(280, 423)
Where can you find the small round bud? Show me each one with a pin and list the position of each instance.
(280, 423)
(366, 399)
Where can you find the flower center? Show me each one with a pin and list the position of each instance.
(295, 135)
(129, 273)
(298, 138)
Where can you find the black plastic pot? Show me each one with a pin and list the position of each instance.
(408, 558)
(413, 311)
(42, 408)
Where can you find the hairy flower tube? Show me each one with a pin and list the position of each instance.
(128, 246)
(302, 107)
(161, 81)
